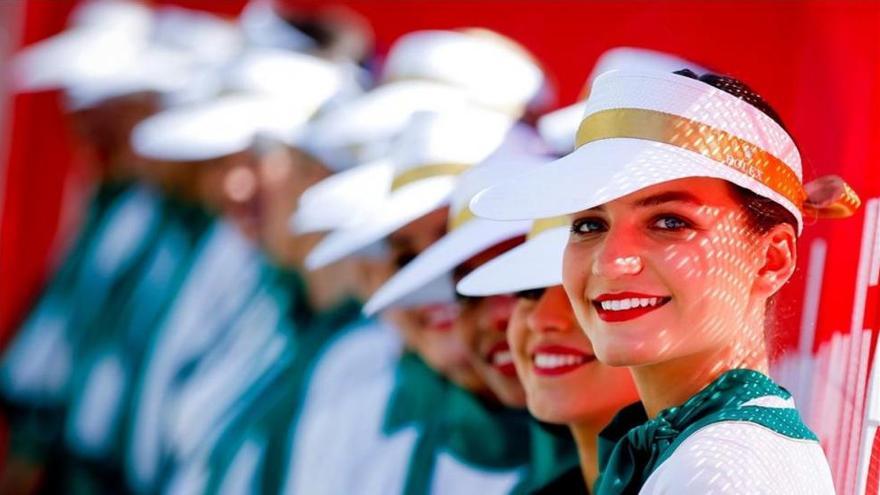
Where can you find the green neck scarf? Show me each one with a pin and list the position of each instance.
(632, 446)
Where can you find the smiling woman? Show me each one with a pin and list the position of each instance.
(688, 228)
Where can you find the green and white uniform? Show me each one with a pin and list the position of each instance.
(38, 368)
(250, 455)
(222, 281)
(405, 429)
(241, 378)
(112, 357)
(740, 434)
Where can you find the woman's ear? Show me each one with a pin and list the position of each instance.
(778, 257)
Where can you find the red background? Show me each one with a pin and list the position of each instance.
(818, 63)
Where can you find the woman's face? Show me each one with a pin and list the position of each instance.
(284, 174)
(483, 325)
(230, 186)
(666, 272)
(563, 380)
(430, 330)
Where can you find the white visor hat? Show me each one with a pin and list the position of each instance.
(427, 158)
(329, 204)
(342, 136)
(535, 264)
(643, 128)
(466, 235)
(494, 70)
(273, 94)
(558, 128)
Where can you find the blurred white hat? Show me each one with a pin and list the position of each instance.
(329, 204)
(493, 69)
(559, 127)
(263, 27)
(114, 48)
(103, 34)
(362, 129)
(427, 159)
(268, 93)
(466, 235)
(535, 264)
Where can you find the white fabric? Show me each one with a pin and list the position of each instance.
(342, 414)
(94, 420)
(459, 137)
(613, 168)
(740, 457)
(492, 69)
(343, 133)
(335, 201)
(452, 476)
(236, 363)
(218, 286)
(38, 365)
(533, 265)
(372, 224)
(441, 258)
(559, 127)
(264, 27)
(604, 170)
(474, 235)
(696, 100)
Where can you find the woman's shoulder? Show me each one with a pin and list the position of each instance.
(742, 457)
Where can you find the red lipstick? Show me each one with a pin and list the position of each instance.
(554, 360)
(624, 306)
(501, 359)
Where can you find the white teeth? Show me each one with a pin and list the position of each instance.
(625, 304)
(502, 358)
(550, 361)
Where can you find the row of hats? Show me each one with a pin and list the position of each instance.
(445, 159)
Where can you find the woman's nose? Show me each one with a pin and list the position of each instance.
(617, 256)
(552, 312)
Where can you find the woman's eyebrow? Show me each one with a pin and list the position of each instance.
(668, 197)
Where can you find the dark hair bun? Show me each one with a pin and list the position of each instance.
(736, 88)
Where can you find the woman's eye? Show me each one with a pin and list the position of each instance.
(584, 226)
(670, 223)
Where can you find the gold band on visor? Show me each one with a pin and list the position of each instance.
(426, 172)
(713, 143)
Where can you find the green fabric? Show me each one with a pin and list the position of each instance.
(453, 421)
(36, 416)
(633, 446)
(553, 454)
(121, 332)
(282, 418)
(272, 412)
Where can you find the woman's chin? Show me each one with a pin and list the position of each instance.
(624, 355)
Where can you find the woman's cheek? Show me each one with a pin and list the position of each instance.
(575, 272)
(517, 336)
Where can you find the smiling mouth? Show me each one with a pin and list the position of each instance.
(555, 360)
(501, 359)
(627, 306)
(440, 317)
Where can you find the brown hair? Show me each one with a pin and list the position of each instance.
(762, 214)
